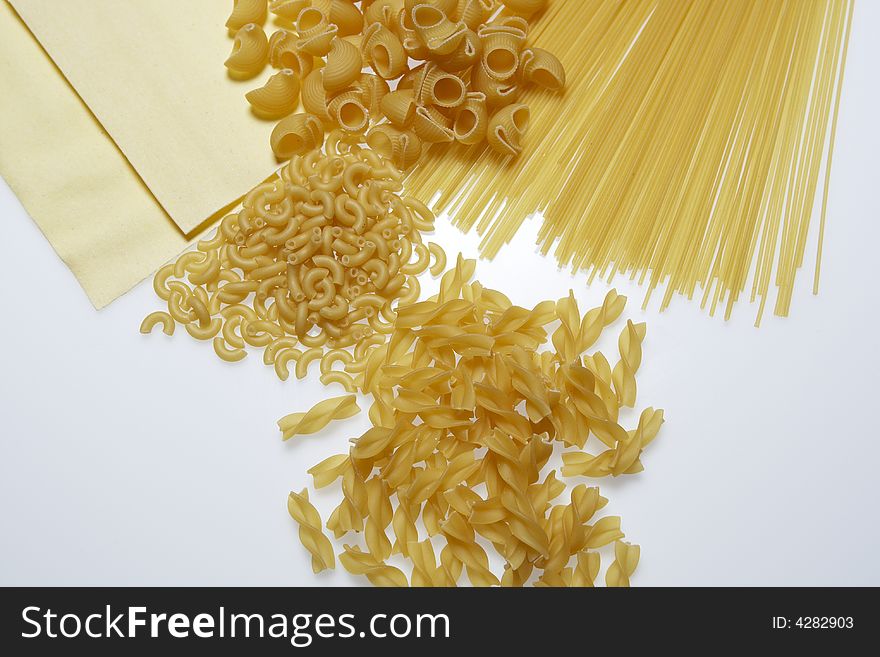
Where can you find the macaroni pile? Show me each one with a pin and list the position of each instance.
(472, 69)
(466, 412)
(316, 257)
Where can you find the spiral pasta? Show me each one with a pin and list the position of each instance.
(318, 416)
(310, 532)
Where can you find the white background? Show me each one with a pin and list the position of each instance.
(128, 459)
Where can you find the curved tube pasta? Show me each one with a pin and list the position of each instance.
(283, 53)
(439, 34)
(281, 362)
(344, 64)
(288, 9)
(402, 147)
(311, 533)
(246, 11)
(524, 7)
(348, 112)
(227, 354)
(250, 52)
(498, 93)
(381, 11)
(466, 55)
(471, 119)
(343, 379)
(306, 359)
(296, 134)
(343, 14)
(440, 88)
(506, 129)
(384, 52)
(158, 317)
(316, 33)
(399, 107)
(318, 416)
(500, 56)
(474, 13)
(373, 89)
(439, 256)
(314, 96)
(431, 126)
(277, 98)
(541, 67)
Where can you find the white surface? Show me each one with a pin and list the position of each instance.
(129, 459)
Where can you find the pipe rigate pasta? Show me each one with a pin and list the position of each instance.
(348, 112)
(474, 13)
(283, 53)
(471, 119)
(277, 98)
(344, 64)
(246, 11)
(506, 129)
(541, 67)
(524, 7)
(347, 18)
(402, 147)
(440, 88)
(384, 52)
(432, 126)
(288, 10)
(440, 35)
(399, 107)
(250, 52)
(295, 135)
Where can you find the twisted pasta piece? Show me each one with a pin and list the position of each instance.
(318, 416)
(626, 559)
(623, 376)
(310, 533)
(379, 573)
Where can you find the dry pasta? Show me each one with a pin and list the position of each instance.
(250, 52)
(708, 196)
(318, 416)
(310, 533)
(472, 60)
(246, 11)
(466, 409)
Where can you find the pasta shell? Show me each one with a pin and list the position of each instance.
(542, 68)
(399, 107)
(507, 127)
(435, 30)
(284, 54)
(343, 67)
(524, 7)
(246, 11)
(384, 52)
(250, 52)
(373, 89)
(431, 126)
(472, 119)
(466, 55)
(277, 97)
(500, 54)
(498, 92)
(288, 9)
(295, 135)
(314, 96)
(344, 15)
(382, 11)
(440, 88)
(348, 112)
(409, 79)
(402, 147)
(474, 13)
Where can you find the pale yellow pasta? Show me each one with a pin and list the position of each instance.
(399, 107)
(250, 52)
(506, 129)
(381, 11)
(500, 58)
(465, 56)
(626, 559)
(524, 7)
(471, 119)
(348, 112)
(246, 11)
(281, 361)
(498, 93)
(373, 89)
(158, 317)
(541, 67)
(347, 18)
(439, 34)
(316, 33)
(342, 378)
(402, 147)
(314, 96)
(439, 257)
(319, 416)
(227, 353)
(379, 573)
(474, 13)
(283, 53)
(630, 346)
(295, 135)
(343, 67)
(440, 88)
(432, 126)
(310, 532)
(384, 52)
(277, 98)
(288, 9)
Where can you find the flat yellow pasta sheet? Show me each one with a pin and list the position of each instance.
(71, 177)
(152, 73)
